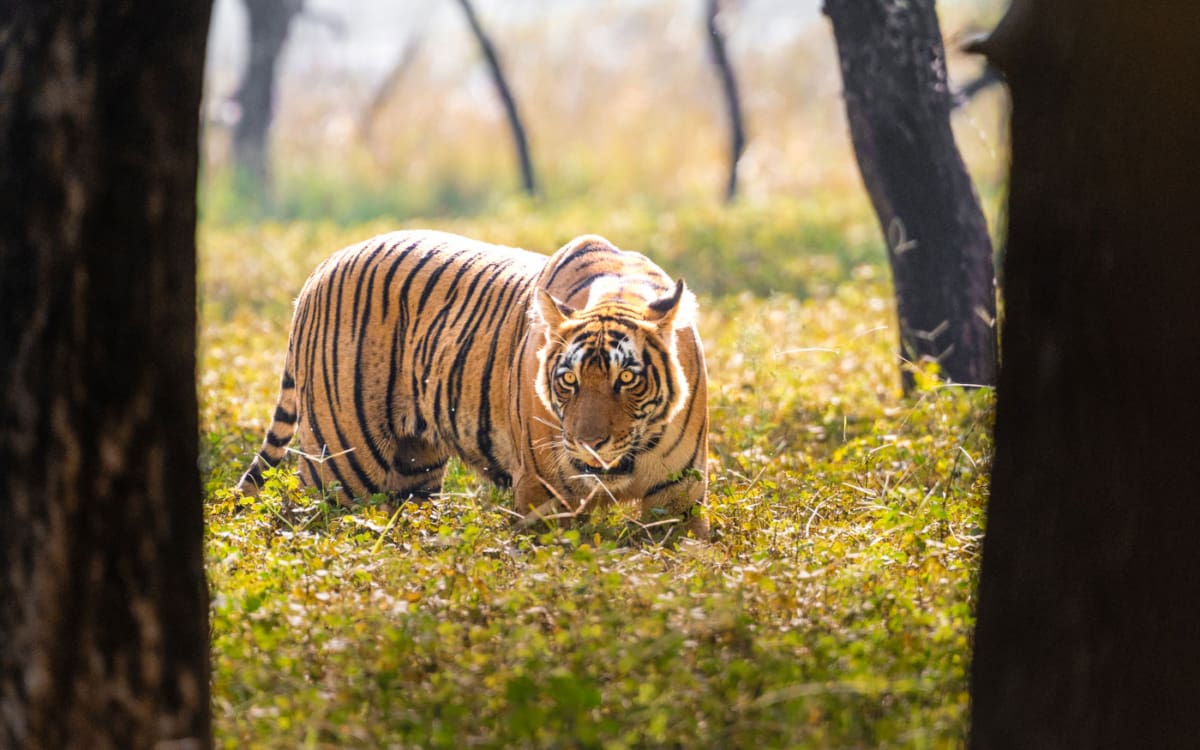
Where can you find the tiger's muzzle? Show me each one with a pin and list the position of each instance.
(622, 467)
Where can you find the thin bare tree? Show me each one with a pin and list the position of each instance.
(492, 59)
(729, 87)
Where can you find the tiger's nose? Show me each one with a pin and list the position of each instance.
(593, 442)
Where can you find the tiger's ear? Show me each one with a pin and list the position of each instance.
(676, 310)
(550, 309)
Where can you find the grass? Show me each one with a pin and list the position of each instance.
(832, 609)
(834, 605)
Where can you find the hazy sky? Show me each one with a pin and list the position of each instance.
(375, 30)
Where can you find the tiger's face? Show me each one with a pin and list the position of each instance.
(610, 376)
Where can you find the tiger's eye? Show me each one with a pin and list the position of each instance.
(569, 378)
(626, 377)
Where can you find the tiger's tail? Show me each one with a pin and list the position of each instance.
(283, 428)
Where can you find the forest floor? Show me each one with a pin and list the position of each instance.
(832, 608)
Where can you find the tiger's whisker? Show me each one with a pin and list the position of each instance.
(606, 465)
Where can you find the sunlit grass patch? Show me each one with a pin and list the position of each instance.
(832, 609)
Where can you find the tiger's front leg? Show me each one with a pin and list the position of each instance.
(681, 498)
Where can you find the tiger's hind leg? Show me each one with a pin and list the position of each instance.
(417, 470)
(274, 446)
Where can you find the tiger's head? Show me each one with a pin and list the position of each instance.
(610, 375)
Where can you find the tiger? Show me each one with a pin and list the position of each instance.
(577, 379)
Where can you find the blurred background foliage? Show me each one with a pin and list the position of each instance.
(387, 111)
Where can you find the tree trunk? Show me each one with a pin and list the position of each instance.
(733, 103)
(985, 80)
(103, 605)
(1087, 617)
(898, 104)
(506, 97)
(388, 86)
(268, 23)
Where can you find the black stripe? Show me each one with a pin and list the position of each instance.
(586, 282)
(399, 343)
(360, 411)
(387, 279)
(437, 404)
(484, 436)
(314, 423)
(415, 388)
(498, 477)
(311, 477)
(358, 287)
(698, 367)
(661, 486)
(253, 475)
(412, 471)
(343, 271)
(417, 494)
(683, 474)
(275, 441)
(576, 254)
(466, 338)
(270, 461)
(288, 381)
(321, 332)
(623, 322)
(284, 416)
(433, 280)
(431, 341)
(663, 376)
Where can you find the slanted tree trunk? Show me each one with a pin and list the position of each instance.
(388, 86)
(898, 104)
(268, 24)
(1088, 615)
(103, 605)
(510, 104)
(733, 103)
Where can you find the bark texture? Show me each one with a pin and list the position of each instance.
(103, 605)
(1087, 631)
(898, 104)
(520, 142)
(729, 87)
(269, 22)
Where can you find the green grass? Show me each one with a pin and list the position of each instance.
(833, 607)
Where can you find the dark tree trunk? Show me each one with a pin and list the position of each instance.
(103, 605)
(268, 24)
(1088, 629)
(898, 104)
(506, 97)
(733, 103)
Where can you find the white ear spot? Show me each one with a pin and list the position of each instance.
(674, 311)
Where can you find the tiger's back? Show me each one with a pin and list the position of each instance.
(415, 346)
